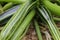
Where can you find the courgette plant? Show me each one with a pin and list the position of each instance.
(21, 19)
(24, 24)
(23, 13)
(46, 16)
(54, 8)
(15, 21)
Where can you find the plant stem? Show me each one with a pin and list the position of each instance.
(9, 12)
(24, 24)
(37, 30)
(7, 6)
(22, 18)
(51, 25)
(25, 31)
(54, 8)
(56, 18)
(14, 1)
(1, 10)
(14, 20)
